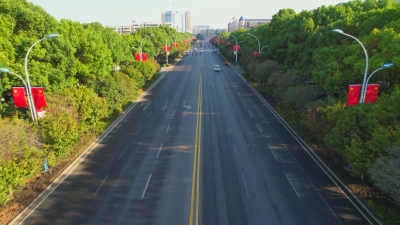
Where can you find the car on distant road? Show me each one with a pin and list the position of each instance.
(186, 53)
(217, 69)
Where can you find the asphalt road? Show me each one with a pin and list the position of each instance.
(199, 148)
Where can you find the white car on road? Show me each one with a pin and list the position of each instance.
(217, 69)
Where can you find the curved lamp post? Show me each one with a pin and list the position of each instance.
(166, 47)
(259, 45)
(236, 48)
(387, 65)
(263, 48)
(5, 70)
(151, 35)
(30, 98)
(362, 96)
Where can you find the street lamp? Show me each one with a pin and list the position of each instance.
(30, 98)
(387, 65)
(259, 50)
(236, 48)
(5, 70)
(264, 47)
(362, 96)
(166, 47)
(151, 35)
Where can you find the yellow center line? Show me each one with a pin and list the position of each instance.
(196, 160)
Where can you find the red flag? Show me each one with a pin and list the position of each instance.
(144, 57)
(166, 47)
(38, 97)
(137, 56)
(256, 53)
(234, 47)
(19, 97)
(354, 94)
(372, 93)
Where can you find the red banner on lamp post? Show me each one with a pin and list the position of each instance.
(354, 94)
(256, 53)
(372, 93)
(19, 97)
(137, 56)
(234, 47)
(166, 47)
(38, 97)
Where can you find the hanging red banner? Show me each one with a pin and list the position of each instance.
(256, 53)
(137, 56)
(354, 94)
(19, 97)
(166, 47)
(372, 93)
(234, 47)
(38, 97)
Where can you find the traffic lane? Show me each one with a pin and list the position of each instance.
(173, 174)
(260, 207)
(82, 183)
(284, 181)
(139, 206)
(328, 194)
(232, 200)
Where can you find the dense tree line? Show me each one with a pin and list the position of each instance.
(308, 69)
(84, 91)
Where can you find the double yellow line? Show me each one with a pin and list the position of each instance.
(196, 160)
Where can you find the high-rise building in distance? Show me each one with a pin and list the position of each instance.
(188, 21)
(176, 18)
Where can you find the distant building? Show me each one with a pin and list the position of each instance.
(163, 17)
(246, 23)
(188, 21)
(176, 18)
(137, 25)
(122, 29)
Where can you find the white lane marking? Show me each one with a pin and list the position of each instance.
(177, 102)
(225, 112)
(294, 189)
(148, 114)
(243, 102)
(258, 126)
(94, 195)
(156, 104)
(53, 186)
(123, 152)
(296, 161)
(165, 106)
(273, 152)
(147, 185)
(168, 128)
(138, 130)
(249, 113)
(229, 128)
(173, 114)
(159, 151)
(180, 95)
(234, 147)
(245, 187)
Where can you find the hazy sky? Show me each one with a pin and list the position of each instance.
(217, 13)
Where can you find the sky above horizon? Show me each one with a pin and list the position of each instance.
(217, 14)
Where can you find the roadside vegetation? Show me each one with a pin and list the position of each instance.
(90, 77)
(305, 73)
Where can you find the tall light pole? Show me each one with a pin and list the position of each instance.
(166, 47)
(151, 35)
(26, 87)
(387, 65)
(236, 48)
(366, 63)
(30, 98)
(259, 45)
